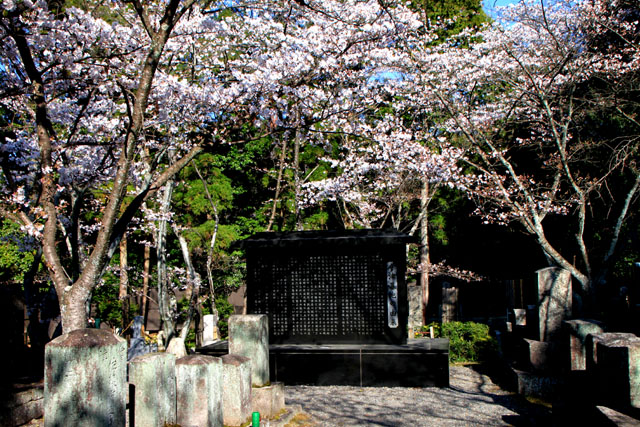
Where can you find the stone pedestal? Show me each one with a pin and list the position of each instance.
(249, 337)
(618, 369)
(578, 330)
(152, 397)
(269, 400)
(236, 392)
(199, 391)
(554, 302)
(85, 379)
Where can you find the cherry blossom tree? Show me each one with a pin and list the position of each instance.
(520, 103)
(520, 98)
(95, 108)
(394, 152)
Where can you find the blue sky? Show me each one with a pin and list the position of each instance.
(490, 4)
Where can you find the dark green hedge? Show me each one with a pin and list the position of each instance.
(468, 341)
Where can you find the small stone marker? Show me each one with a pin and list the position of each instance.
(519, 316)
(199, 391)
(236, 392)
(210, 329)
(153, 401)
(85, 379)
(249, 337)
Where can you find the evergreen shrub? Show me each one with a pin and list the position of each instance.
(468, 341)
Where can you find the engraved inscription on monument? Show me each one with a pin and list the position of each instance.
(392, 295)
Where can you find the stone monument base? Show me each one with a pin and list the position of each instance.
(419, 363)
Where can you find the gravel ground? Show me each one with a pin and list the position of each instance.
(471, 400)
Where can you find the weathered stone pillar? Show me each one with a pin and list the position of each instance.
(554, 302)
(85, 379)
(249, 337)
(152, 402)
(236, 389)
(199, 391)
(578, 331)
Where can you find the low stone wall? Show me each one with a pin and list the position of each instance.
(21, 404)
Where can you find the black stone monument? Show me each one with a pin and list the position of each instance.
(325, 287)
(338, 309)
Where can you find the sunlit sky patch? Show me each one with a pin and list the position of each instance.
(490, 5)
